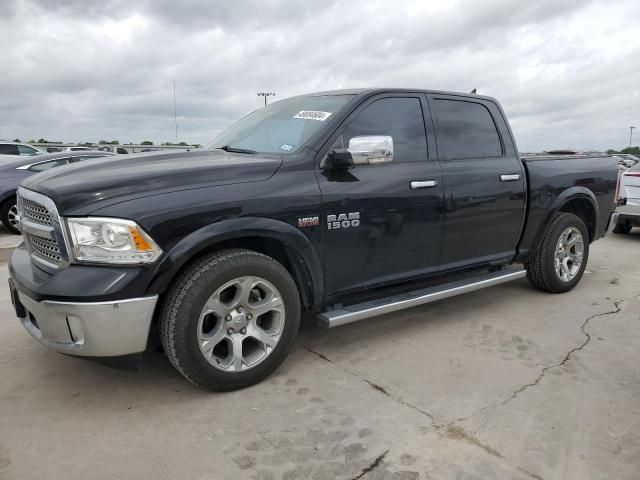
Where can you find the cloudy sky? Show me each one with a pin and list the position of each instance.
(567, 72)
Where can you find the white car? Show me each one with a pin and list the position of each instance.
(77, 149)
(628, 200)
(626, 160)
(15, 148)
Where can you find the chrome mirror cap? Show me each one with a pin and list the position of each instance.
(371, 149)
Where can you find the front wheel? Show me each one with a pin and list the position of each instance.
(562, 257)
(9, 215)
(230, 319)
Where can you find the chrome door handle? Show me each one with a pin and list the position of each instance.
(424, 184)
(512, 177)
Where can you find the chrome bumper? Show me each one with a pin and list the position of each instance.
(613, 221)
(100, 329)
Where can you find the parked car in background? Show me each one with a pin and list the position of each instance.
(77, 149)
(113, 149)
(14, 170)
(15, 148)
(626, 160)
(628, 200)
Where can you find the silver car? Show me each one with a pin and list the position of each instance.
(628, 200)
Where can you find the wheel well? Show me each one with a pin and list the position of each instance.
(7, 199)
(287, 257)
(584, 209)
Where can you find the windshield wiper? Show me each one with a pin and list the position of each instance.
(228, 148)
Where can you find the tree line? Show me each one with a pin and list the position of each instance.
(111, 142)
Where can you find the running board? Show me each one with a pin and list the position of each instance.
(353, 313)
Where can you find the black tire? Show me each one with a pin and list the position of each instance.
(185, 300)
(541, 270)
(4, 215)
(622, 227)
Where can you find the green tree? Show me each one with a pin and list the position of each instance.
(611, 151)
(31, 141)
(631, 150)
(146, 142)
(183, 144)
(114, 142)
(17, 140)
(102, 142)
(42, 140)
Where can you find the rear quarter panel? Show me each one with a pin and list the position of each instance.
(555, 181)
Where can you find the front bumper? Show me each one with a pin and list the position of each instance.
(93, 329)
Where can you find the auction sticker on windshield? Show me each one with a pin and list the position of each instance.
(312, 115)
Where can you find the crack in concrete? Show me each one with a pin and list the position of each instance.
(449, 430)
(375, 464)
(457, 432)
(617, 309)
(377, 387)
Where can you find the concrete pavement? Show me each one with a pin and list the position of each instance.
(505, 383)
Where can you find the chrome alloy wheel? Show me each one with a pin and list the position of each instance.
(13, 218)
(241, 324)
(569, 254)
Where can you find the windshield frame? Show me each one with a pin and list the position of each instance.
(336, 116)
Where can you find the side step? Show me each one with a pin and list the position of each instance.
(353, 313)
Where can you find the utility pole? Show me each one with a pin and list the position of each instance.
(175, 116)
(265, 95)
(630, 135)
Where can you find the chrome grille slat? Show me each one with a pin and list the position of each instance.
(42, 230)
(45, 248)
(35, 212)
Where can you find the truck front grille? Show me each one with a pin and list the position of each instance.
(44, 248)
(35, 212)
(42, 230)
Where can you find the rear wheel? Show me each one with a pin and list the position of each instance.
(9, 215)
(230, 319)
(622, 227)
(562, 257)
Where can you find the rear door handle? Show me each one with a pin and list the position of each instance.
(424, 184)
(511, 177)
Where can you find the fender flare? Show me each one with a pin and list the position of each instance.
(300, 252)
(7, 195)
(572, 193)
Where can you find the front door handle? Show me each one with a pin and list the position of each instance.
(424, 184)
(511, 177)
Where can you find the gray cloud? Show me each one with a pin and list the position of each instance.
(566, 72)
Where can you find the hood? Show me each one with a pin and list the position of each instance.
(96, 183)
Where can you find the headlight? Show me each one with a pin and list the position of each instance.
(110, 240)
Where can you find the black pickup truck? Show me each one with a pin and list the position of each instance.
(342, 205)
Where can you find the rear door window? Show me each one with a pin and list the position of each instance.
(466, 130)
(9, 149)
(24, 150)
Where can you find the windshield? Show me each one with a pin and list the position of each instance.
(281, 127)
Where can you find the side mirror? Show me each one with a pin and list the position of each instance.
(365, 150)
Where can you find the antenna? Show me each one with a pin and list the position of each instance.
(473, 91)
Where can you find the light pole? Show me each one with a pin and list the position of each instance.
(630, 135)
(265, 95)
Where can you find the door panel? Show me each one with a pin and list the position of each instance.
(485, 191)
(398, 229)
(483, 215)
